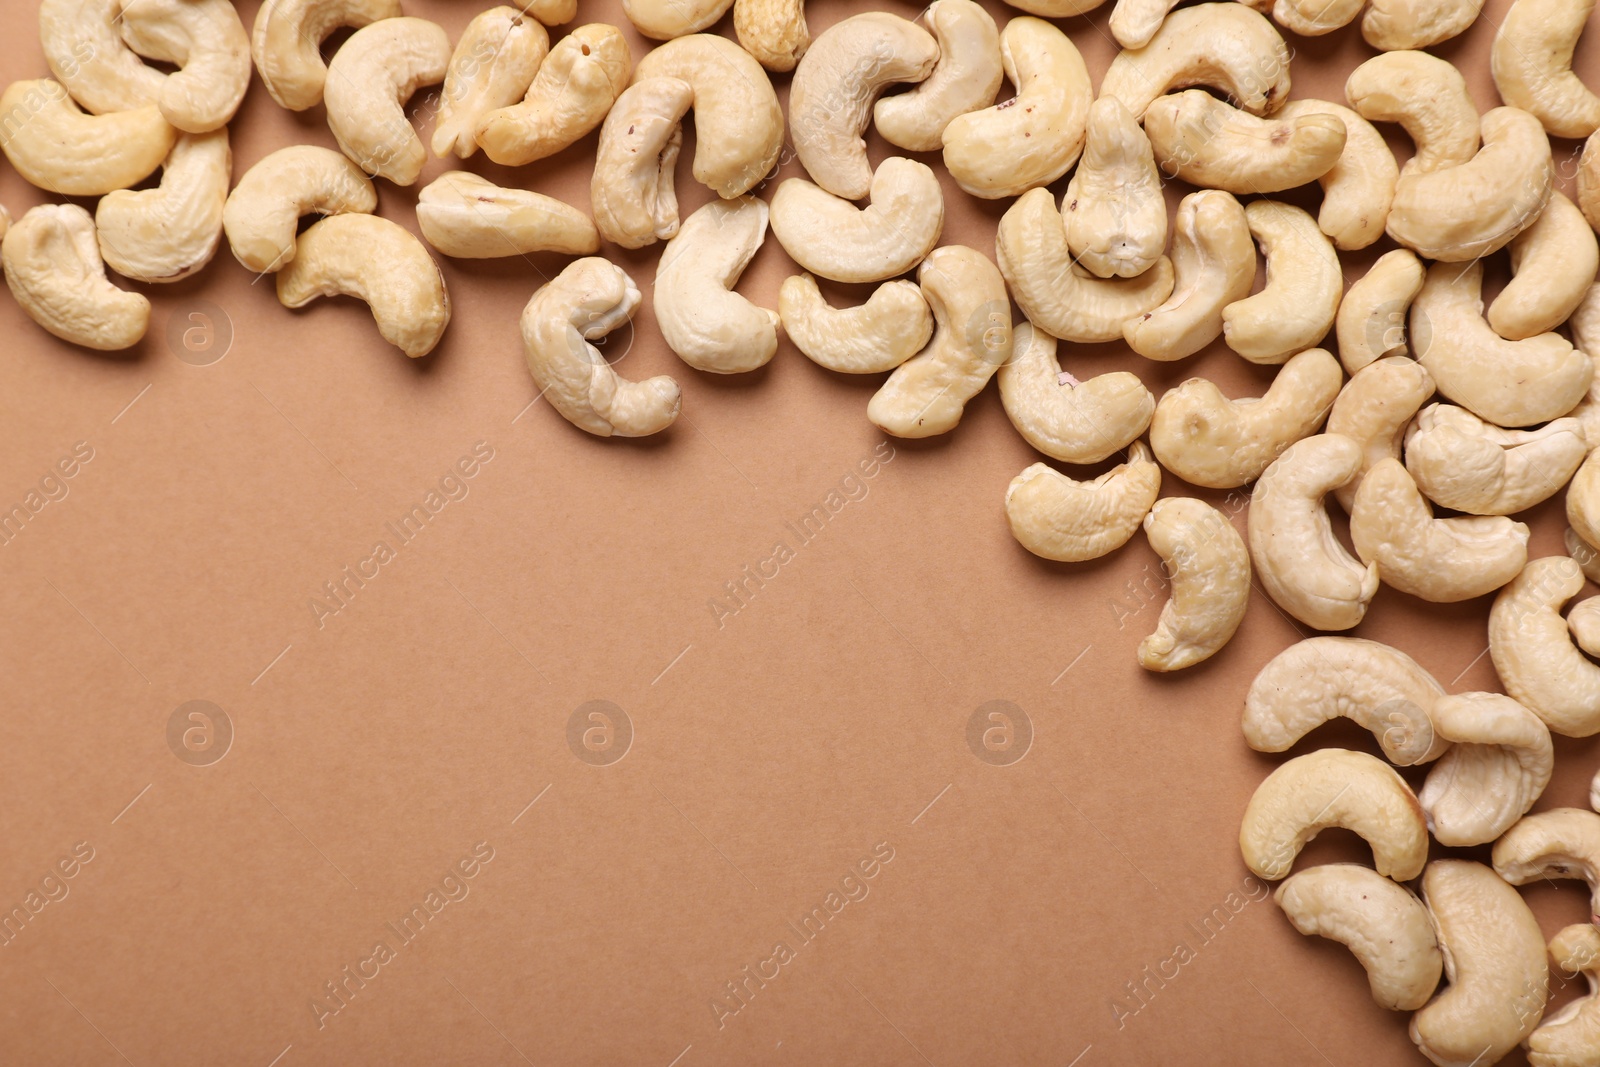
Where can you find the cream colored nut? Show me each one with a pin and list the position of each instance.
(1440, 560)
(1055, 9)
(1069, 420)
(835, 83)
(1463, 463)
(169, 232)
(1532, 65)
(588, 300)
(1374, 409)
(1583, 499)
(1206, 439)
(1312, 18)
(1379, 688)
(1571, 1035)
(576, 85)
(1509, 383)
(553, 12)
(890, 328)
(1390, 25)
(1210, 572)
(370, 78)
(774, 31)
(5, 221)
(1533, 653)
(1334, 787)
(711, 327)
(1134, 22)
(263, 212)
(1585, 326)
(1554, 262)
(1034, 137)
(377, 261)
(665, 20)
(469, 217)
(1225, 46)
(1115, 212)
(1061, 518)
(738, 124)
(1499, 762)
(1212, 144)
(52, 266)
(965, 78)
(832, 237)
(1428, 97)
(287, 37)
(1560, 843)
(1053, 292)
(1371, 323)
(631, 191)
(87, 55)
(492, 67)
(1493, 961)
(1296, 308)
(1359, 188)
(972, 337)
(1383, 924)
(1588, 184)
(61, 150)
(1583, 623)
(1214, 261)
(1585, 555)
(1303, 567)
(207, 42)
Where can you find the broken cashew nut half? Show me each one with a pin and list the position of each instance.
(370, 78)
(1213, 264)
(1499, 762)
(574, 88)
(709, 326)
(469, 217)
(833, 238)
(891, 327)
(53, 268)
(1209, 568)
(1069, 420)
(1533, 653)
(286, 43)
(263, 212)
(1060, 518)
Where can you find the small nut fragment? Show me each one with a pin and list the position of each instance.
(1570, 1035)
(1210, 571)
(1371, 323)
(832, 237)
(53, 268)
(494, 63)
(1069, 420)
(774, 31)
(1553, 263)
(1374, 409)
(264, 210)
(576, 85)
(708, 325)
(1531, 60)
(1359, 188)
(1224, 46)
(1061, 518)
(169, 232)
(1465, 464)
(207, 42)
(61, 150)
(469, 217)
(1115, 212)
(1428, 97)
(1214, 264)
(1296, 308)
(1212, 144)
(87, 55)
(370, 78)
(631, 191)
(965, 78)
(1499, 762)
(1533, 652)
(1559, 843)
(890, 328)
(287, 37)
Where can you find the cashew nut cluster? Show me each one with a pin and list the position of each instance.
(1210, 569)
(1067, 419)
(469, 217)
(53, 268)
(1060, 518)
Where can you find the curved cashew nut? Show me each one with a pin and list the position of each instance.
(1061, 518)
(1371, 323)
(834, 86)
(169, 232)
(1214, 263)
(965, 78)
(1134, 22)
(1463, 463)
(1374, 410)
(1212, 144)
(1210, 570)
(1499, 762)
(890, 328)
(377, 261)
(1333, 787)
(86, 54)
(972, 337)
(1428, 97)
(206, 40)
(287, 37)
(1069, 420)
(1553, 263)
(575, 86)
(370, 78)
(1115, 213)
(492, 67)
(1225, 46)
(1560, 843)
(61, 150)
(1531, 60)
(589, 299)
(1052, 291)
(1034, 137)
(1583, 623)
(665, 20)
(1571, 1034)
(1312, 18)
(469, 217)
(1297, 306)
(53, 268)
(1359, 188)
(708, 325)
(831, 237)
(1533, 652)
(774, 31)
(1509, 383)
(263, 211)
(1383, 924)
(1206, 439)
(1390, 25)
(631, 191)
(1379, 688)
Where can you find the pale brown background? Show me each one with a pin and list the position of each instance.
(769, 755)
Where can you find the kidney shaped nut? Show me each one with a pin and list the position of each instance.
(1060, 518)
(1374, 409)
(972, 337)
(1214, 263)
(1210, 572)
(370, 78)
(377, 261)
(469, 217)
(1531, 60)
(287, 37)
(1207, 439)
(665, 20)
(1371, 323)
(1463, 463)
(1428, 97)
(830, 236)
(1224, 46)
(1570, 1035)
(1212, 144)
(1359, 188)
(709, 326)
(965, 78)
(207, 42)
(52, 266)
(890, 328)
(60, 149)
(1560, 843)
(263, 212)
(1379, 688)
(1533, 652)
(494, 63)
(574, 88)
(1297, 306)
(169, 232)
(1333, 787)
(774, 31)
(1033, 138)
(1553, 264)
(1383, 924)
(631, 190)
(1499, 762)
(86, 54)
(1069, 420)
(1115, 212)
(1493, 961)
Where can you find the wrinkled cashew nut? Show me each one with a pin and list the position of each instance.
(1212, 144)
(1463, 463)
(891, 327)
(774, 31)
(1499, 762)
(469, 217)
(1214, 264)
(1533, 652)
(263, 212)
(62, 150)
(1210, 572)
(1531, 61)
(1371, 323)
(1428, 97)
(1060, 518)
(1296, 308)
(207, 42)
(1571, 1034)
(492, 67)
(370, 78)
(287, 37)
(168, 233)
(1069, 420)
(575, 87)
(631, 191)
(1224, 46)
(1374, 409)
(1560, 843)
(965, 78)
(1115, 212)
(709, 326)
(833, 238)
(53, 268)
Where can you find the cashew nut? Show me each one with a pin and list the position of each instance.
(86, 54)
(665, 20)
(1214, 261)
(1533, 652)
(1570, 1036)
(1296, 308)
(1554, 263)
(1374, 410)
(1115, 212)
(1224, 46)
(287, 37)
(53, 268)
(1334, 787)
(1069, 420)
(1134, 22)
(370, 78)
(1312, 18)
(492, 67)
(1358, 189)
(207, 42)
(1371, 323)
(774, 31)
(1499, 762)
(890, 328)
(1398, 24)
(1531, 60)
(576, 85)
(1212, 144)
(62, 150)
(264, 210)
(1583, 623)
(1585, 555)
(1061, 518)
(709, 326)
(1461, 462)
(1207, 439)
(832, 237)
(1210, 571)
(1560, 843)
(169, 232)
(1588, 183)
(965, 78)
(1428, 97)
(1583, 499)
(631, 191)
(469, 217)
(377, 261)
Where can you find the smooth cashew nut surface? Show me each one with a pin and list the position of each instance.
(287, 37)
(1570, 1036)
(264, 210)
(709, 326)
(492, 67)
(1060, 518)
(632, 192)
(891, 327)
(169, 232)
(665, 20)
(1499, 762)
(1359, 188)
(207, 42)
(1533, 652)
(1560, 843)
(832, 237)
(1224, 46)
(966, 78)
(62, 150)
(1398, 24)
(1115, 212)
(86, 53)
(1375, 409)
(1212, 144)
(53, 268)
(1069, 420)
(774, 31)
(1583, 622)
(469, 217)
(1463, 463)
(1210, 571)
(1296, 308)
(1553, 264)
(1428, 97)
(1371, 323)
(575, 87)
(1531, 60)
(1585, 555)
(370, 78)
(1214, 264)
